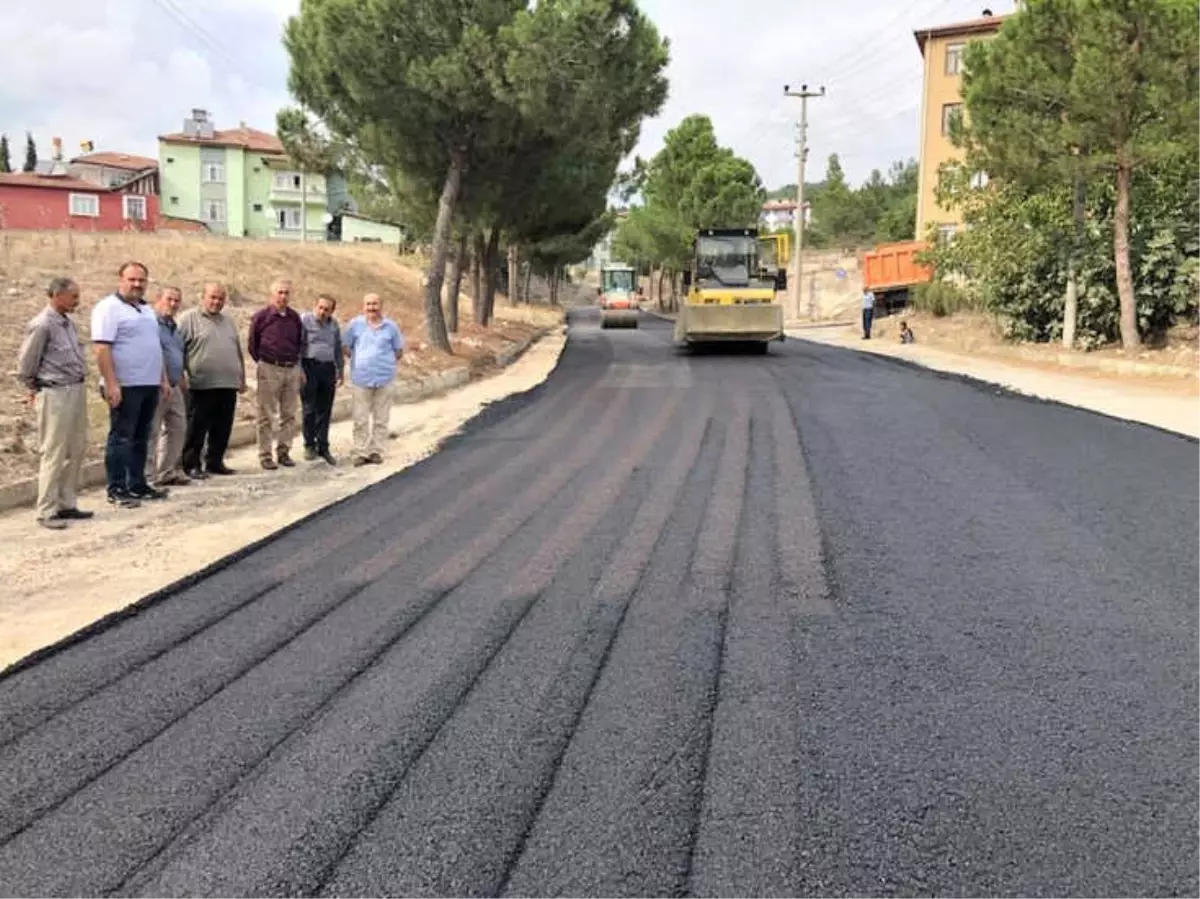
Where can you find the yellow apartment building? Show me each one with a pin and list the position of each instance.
(941, 96)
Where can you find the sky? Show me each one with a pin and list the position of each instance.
(121, 72)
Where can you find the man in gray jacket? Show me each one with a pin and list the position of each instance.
(51, 365)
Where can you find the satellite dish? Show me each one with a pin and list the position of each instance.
(327, 218)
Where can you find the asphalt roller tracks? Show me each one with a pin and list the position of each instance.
(717, 624)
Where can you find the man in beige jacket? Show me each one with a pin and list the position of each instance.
(51, 365)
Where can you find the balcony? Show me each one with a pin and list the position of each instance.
(314, 234)
(288, 191)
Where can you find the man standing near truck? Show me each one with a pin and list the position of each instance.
(868, 312)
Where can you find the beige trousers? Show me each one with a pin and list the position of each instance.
(372, 411)
(167, 433)
(278, 399)
(62, 442)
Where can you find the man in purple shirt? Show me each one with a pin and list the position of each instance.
(276, 343)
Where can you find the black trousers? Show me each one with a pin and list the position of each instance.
(210, 420)
(868, 318)
(320, 385)
(129, 437)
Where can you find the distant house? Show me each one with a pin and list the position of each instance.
(777, 214)
(29, 200)
(110, 169)
(350, 227)
(239, 182)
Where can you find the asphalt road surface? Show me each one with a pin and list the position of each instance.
(803, 623)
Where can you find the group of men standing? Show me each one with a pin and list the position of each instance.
(171, 382)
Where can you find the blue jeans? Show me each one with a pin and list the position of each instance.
(129, 437)
(868, 317)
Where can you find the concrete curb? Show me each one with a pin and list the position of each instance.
(1077, 362)
(24, 492)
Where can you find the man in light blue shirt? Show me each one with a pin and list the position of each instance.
(373, 344)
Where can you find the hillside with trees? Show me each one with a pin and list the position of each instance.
(497, 130)
(1084, 116)
(882, 209)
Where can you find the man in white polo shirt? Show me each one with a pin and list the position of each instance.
(132, 379)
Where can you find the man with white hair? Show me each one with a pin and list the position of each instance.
(373, 344)
(277, 342)
(164, 454)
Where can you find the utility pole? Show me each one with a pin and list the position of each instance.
(802, 153)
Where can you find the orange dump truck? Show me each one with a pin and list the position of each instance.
(891, 270)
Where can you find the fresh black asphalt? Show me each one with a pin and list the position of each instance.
(808, 623)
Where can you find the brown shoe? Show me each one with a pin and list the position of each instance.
(52, 524)
(375, 459)
(285, 458)
(268, 463)
(361, 460)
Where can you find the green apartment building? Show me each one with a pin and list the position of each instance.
(239, 182)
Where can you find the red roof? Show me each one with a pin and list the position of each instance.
(247, 138)
(125, 161)
(982, 25)
(53, 182)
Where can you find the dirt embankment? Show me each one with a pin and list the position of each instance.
(28, 260)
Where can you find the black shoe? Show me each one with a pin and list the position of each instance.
(196, 474)
(122, 499)
(375, 459)
(72, 515)
(310, 454)
(148, 492)
(219, 469)
(328, 457)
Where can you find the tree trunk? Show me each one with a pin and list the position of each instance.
(435, 322)
(662, 274)
(1121, 215)
(477, 298)
(528, 280)
(514, 275)
(456, 273)
(1071, 306)
(489, 276)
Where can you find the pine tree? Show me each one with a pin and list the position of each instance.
(5, 158)
(31, 158)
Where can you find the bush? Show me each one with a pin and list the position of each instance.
(941, 298)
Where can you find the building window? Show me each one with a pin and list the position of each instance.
(287, 181)
(85, 204)
(170, 159)
(258, 207)
(979, 180)
(289, 219)
(954, 58)
(134, 207)
(174, 201)
(213, 211)
(950, 111)
(214, 173)
(946, 232)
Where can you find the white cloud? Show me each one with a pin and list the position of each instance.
(120, 72)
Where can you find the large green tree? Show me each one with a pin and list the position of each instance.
(692, 182)
(5, 157)
(1075, 90)
(31, 157)
(469, 100)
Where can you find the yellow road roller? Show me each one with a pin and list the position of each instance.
(729, 296)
